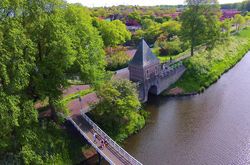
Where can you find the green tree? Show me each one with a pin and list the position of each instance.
(147, 23)
(137, 36)
(41, 42)
(238, 20)
(89, 62)
(118, 111)
(136, 15)
(226, 27)
(113, 33)
(247, 18)
(199, 20)
(171, 28)
(246, 5)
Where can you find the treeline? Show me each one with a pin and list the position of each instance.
(243, 6)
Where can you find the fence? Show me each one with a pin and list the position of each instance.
(111, 142)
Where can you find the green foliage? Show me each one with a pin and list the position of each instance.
(76, 95)
(147, 23)
(172, 28)
(172, 47)
(152, 33)
(117, 60)
(135, 16)
(168, 42)
(226, 28)
(89, 62)
(49, 145)
(9, 114)
(41, 42)
(207, 66)
(113, 33)
(137, 36)
(246, 5)
(238, 21)
(118, 112)
(200, 23)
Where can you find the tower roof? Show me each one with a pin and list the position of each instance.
(143, 55)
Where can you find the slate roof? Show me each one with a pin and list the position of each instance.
(144, 55)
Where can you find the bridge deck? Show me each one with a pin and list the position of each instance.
(109, 152)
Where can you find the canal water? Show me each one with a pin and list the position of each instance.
(212, 128)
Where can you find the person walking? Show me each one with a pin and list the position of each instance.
(102, 144)
(94, 136)
(105, 141)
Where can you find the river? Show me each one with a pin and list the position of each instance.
(212, 128)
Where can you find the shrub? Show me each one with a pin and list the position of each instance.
(118, 59)
(169, 47)
(118, 111)
(206, 67)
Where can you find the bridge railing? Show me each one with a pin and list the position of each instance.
(111, 142)
(89, 140)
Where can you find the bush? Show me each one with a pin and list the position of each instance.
(118, 59)
(118, 113)
(172, 47)
(206, 67)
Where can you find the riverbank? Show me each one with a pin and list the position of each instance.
(206, 67)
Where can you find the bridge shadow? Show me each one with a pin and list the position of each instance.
(152, 98)
(152, 94)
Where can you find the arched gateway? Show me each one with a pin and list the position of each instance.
(146, 70)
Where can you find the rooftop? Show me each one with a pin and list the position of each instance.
(143, 55)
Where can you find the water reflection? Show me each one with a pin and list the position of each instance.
(211, 128)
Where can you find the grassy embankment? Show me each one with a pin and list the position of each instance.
(206, 67)
(167, 57)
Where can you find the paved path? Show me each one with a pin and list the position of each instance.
(112, 152)
(75, 88)
(85, 103)
(108, 152)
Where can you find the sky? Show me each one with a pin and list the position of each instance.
(97, 3)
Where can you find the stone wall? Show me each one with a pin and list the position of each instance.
(161, 83)
(172, 78)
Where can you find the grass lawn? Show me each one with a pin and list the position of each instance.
(73, 96)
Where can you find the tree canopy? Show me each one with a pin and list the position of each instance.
(118, 111)
(200, 23)
(42, 43)
(113, 33)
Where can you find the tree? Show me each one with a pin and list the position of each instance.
(226, 27)
(136, 15)
(147, 23)
(246, 5)
(41, 43)
(137, 36)
(16, 63)
(113, 33)
(118, 110)
(90, 56)
(238, 21)
(199, 20)
(247, 18)
(171, 28)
